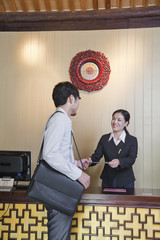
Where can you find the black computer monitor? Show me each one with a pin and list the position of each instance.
(15, 164)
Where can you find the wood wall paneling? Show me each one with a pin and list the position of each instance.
(155, 112)
(33, 62)
(147, 108)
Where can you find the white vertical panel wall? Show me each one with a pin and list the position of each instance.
(32, 63)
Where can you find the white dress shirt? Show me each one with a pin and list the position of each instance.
(57, 147)
(122, 137)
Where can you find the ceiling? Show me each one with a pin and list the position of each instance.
(71, 5)
(47, 15)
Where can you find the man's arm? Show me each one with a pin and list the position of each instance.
(84, 179)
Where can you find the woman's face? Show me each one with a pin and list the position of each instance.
(118, 122)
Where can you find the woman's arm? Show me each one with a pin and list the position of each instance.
(129, 160)
(98, 153)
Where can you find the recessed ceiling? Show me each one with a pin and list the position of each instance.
(71, 5)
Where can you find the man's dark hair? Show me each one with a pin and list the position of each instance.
(62, 91)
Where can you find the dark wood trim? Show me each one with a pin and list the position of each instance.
(83, 20)
(120, 200)
(137, 198)
(132, 198)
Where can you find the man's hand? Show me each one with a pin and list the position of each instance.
(84, 179)
(114, 163)
(86, 162)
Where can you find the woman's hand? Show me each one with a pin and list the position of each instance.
(114, 163)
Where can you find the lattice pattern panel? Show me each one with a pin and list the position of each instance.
(29, 222)
(23, 221)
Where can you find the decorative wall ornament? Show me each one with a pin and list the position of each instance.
(89, 70)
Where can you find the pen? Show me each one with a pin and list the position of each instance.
(119, 151)
(101, 162)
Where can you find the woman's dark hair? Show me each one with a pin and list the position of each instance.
(62, 91)
(126, 116)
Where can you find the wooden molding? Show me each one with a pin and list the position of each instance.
(94, 196)
(88, 20)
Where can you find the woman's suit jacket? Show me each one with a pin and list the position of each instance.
(125, 152)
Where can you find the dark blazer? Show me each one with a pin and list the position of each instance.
(125, 152)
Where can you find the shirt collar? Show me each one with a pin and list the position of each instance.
(61, 110)
(122, 137)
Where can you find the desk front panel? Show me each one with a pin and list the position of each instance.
(99, 217)
(29, 222)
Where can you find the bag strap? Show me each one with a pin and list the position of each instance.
(40, 152)
(77, 151)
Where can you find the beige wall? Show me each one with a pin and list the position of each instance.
(32, 63)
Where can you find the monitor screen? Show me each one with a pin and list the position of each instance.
(15, 164)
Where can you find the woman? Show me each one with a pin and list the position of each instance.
(119, 149)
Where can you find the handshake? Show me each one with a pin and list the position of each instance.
(86, 163)
(84, 179)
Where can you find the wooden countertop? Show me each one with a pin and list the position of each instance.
(95, 196)
(132, 198)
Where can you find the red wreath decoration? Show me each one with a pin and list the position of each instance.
(89, 70)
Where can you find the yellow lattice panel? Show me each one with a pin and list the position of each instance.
(29, 221)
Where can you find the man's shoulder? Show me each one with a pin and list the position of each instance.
(59, 114)
(57, 118)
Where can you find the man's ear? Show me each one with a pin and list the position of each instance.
(71, 99)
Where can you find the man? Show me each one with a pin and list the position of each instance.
(58, 152)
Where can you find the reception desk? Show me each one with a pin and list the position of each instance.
(111, 216)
